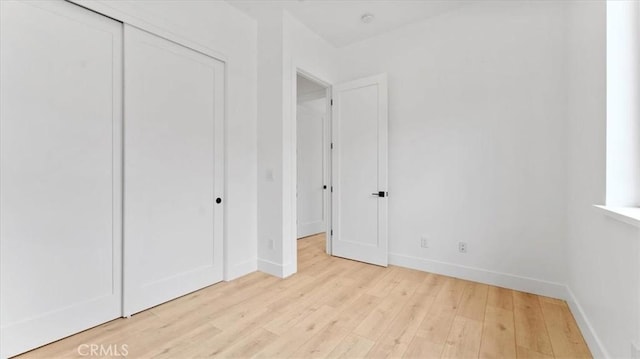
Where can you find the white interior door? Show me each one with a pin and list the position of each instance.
(60, 177)
(174, 113)
(311, 115)
(360, 170)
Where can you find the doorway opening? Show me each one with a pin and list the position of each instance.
(313, 188)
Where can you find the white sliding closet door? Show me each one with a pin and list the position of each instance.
(60, 176)
(174, 112)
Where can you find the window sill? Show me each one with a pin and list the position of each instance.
(629, 215)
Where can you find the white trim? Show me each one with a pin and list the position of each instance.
(241, 269)
(628, 215)
(505, 280)
(297, 70)
(311, 77)
(103, 7)
(311, 228)
(275, 269)
(226, 264)
(328, 160)
(593, 341)
(270, 267)
(514, 282)
(289, 269)
(309, 96)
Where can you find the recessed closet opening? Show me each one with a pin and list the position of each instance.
(112, 182)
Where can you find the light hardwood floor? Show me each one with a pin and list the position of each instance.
(336, 308)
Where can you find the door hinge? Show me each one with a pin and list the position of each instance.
(332, 232)
(331, 102)
(331, 145)
(331, 189)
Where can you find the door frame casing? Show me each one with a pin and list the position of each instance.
(326, 172)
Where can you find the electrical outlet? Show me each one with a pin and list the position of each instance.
(462, 247)
(424, 242)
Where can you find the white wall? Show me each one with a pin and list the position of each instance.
(603, 254)
(478, 100)
(304, 50)
(270, 113)
(287, 43)
(498, 125)
(217, 26)
(477, 136)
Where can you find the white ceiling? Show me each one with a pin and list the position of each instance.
(338, 21)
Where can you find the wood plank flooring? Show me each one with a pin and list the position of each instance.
(337, 308)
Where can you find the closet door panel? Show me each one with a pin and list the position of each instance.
(173, 170)
(60, 178)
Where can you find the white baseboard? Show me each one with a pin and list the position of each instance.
(593, 341)
(289, 269)
(510, 281)
(524, 284)
(275, 269)
(270, 267)
(241, 269)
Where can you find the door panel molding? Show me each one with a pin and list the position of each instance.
(135, 18)
(174, 170)
(359, 170)
(61, 177)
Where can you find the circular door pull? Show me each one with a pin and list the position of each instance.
(218, 200)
